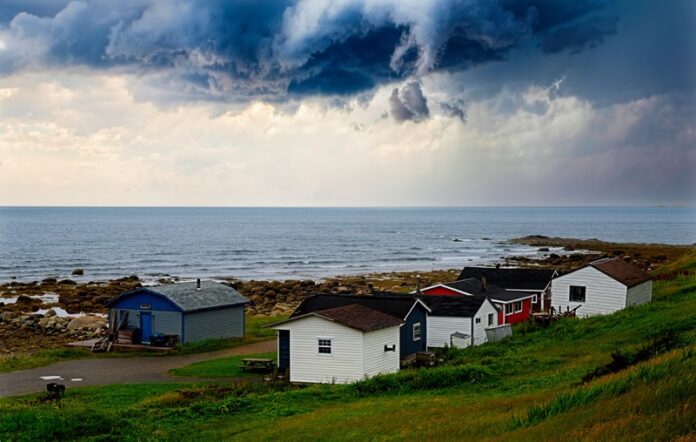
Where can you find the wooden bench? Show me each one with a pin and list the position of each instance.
(257, 364)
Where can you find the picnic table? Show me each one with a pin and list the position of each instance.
(257, 364)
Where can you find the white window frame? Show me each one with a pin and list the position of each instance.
(330, 346)
(534, 299)
(512, 309)
(514, 305)
(491, 318)
(478, 320)
(420, 331)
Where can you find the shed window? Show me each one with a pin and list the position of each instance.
(478, 320)
(518, 306)
(324, 346)
(490, 319)
(577, 293)
(508, 309)
(534, 299)
(417, 331)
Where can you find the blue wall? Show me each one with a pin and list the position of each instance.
(407, 344)
(133, 301)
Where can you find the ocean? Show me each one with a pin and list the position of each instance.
(298, 243)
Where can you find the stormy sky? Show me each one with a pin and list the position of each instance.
(347, 102)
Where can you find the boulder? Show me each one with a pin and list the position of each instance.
(78, 272)
(7, 316)
(24, 299)
(87, 323)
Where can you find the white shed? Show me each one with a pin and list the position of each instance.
(339, 345)
(602, 287)
(453, 317)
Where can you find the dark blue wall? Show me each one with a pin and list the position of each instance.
(133, 301)
(408, 345)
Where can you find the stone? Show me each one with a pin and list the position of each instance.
(86, 322)
(78, 272)
(543, 249)
(50, 313)
(24, 299)
(67, 282)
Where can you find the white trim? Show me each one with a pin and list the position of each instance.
(330, 346)
(413, 331)
(418, 301)
(499, 301)
(446, 287)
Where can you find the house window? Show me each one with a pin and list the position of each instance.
(508, 309)
(478, 320)
(324, 346)
(490, 319)
(416, 331)
(518, 306)
(577, 293)
(534, 299)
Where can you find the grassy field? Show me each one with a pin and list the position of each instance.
(626, 376)
(223, 367)
(254, 333)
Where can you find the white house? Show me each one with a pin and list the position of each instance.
(339, 345)
(459, 321)
(603, 286)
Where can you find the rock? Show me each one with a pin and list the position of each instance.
(568, 249)
(87, 322)
(49, 313)
(49, 281)
(343, 289)
(7, 316)
(24, 299)
(67, 282)
(78, 272)
(543, 249)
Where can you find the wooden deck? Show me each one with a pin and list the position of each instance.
(121, 347)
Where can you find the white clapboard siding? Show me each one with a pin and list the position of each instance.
(486, 308)
(603, 293)
(375, 359)
(639, 294)
(343, 365)
(440, 328)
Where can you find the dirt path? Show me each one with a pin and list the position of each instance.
(101, 371)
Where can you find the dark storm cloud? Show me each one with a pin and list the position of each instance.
(577, 37)
(455, 110)
(278, 49)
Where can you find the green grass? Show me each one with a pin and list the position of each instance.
(527, 387)
(223, 367)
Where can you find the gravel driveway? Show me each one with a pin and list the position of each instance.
(101, 371)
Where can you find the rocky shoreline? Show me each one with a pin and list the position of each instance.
(50, 313)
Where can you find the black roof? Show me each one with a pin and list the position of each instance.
(474, 287)
(511, 278)
(458, 306)
(394, 305)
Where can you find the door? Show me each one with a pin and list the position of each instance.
(283, 349)
(145, 327)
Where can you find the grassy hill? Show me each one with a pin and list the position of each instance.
(629, 375)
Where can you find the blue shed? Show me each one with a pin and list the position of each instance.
(194, 311)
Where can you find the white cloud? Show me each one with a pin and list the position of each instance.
(64, 141)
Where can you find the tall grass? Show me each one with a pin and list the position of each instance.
(615, 386)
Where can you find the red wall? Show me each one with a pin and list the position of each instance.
(441, 291)
(514, 318)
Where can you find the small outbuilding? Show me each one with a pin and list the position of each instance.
(414, 331)
(601, 287)
(459, 321)
(193, 311)
(339, 345)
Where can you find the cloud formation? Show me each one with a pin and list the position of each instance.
(276, 50)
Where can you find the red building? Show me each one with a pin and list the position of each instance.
(516, 293)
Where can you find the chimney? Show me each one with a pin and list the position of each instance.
(497, 266)
(198, 284)
(484, 283)
(418, 284)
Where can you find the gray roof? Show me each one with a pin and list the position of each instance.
(184, 294)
